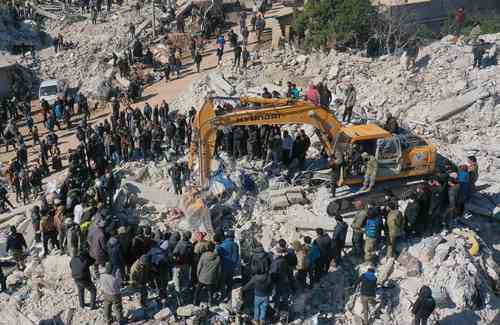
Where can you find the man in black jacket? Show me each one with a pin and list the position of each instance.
(260, 262)
(282, 278)
(325, 244)
(339, 236)
(80, 271)
(16, 245)
(3, 280)
(424, 306)
(183, 255)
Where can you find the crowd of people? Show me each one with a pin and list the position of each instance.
(79, 221)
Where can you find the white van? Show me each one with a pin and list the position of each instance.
(50, 90)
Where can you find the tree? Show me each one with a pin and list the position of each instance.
(345, 21)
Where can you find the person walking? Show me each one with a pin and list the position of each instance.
(80, 271)
(209, 271)
(220, 48)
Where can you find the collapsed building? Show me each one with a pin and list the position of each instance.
(443, 100)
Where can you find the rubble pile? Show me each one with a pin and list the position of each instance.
(89, 65)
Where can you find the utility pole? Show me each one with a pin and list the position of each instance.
(154, 33)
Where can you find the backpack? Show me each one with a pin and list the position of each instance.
(372, 227)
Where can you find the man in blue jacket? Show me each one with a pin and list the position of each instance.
(230, 253)
(368, 282)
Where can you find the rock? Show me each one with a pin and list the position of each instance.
(410, 263)
(15, 278)
(385, 270)
(333, 73)
(302, 59)
(190, 311)
(429, 248)
(163, 314)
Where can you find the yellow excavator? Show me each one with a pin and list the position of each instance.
(400, 156)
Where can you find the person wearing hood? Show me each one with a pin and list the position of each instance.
(262, 285)
(209, 270)
(282, 278)
(96, 240)
(16, 245)
(183, 256)
(368, 282)
(110, 285)
(80, 271)
(424, 306)
(229, 251)
(115, 254)
(200, 246)
(260, 261)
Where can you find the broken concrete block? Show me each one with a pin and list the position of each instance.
(189, 311)
(410, 263)
(456, 105)
(279, 202)
(163, 314)
(296, 198)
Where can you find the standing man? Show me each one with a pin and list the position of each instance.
(220, 48)
(110, 286)
(368, 282)
(16, 245)
(350, 101)
(339, 236)
(80, 271)
(372, 232)
(357, 228)
(237, 56)
(246, 57)
(371, 168)
(395, 227)
(325, 244)
(208, 273)
(478, 51)
(459, 21)
(197, 60)
(97, 245)
(424, 306)
(230, 253)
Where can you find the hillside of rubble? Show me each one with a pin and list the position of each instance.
(443, 99)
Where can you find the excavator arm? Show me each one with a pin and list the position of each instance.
(268, 112)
